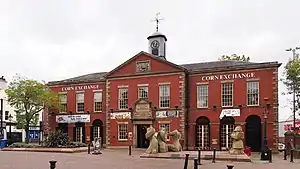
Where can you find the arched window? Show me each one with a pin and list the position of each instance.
(97, 130)
(202, 133)
(226, 128)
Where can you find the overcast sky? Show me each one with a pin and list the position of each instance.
(56, 39)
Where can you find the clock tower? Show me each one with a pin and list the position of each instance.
(157, 45)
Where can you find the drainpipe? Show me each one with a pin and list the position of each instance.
(187, 104)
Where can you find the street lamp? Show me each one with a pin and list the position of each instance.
(265, 149)
(10, 117)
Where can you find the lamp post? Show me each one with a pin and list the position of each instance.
(294, 93)
(1, 112)
(265, 149)
(10, 117)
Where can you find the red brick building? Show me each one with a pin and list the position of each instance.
(204, 101)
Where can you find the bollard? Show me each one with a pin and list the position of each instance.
(89, 148)
(214, 156)
(186, 161)
(284, 154)
(230, 166)
(270, 156)
(195, 163)
(292, 156)
(199, 156)
(129, 150)
(52, 164)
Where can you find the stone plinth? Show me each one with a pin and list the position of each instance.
(205, 155)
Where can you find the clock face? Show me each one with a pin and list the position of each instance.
(155, 44)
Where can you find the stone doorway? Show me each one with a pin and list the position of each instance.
(141, 141)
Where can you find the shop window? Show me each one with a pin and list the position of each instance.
(202, 96)
(97, 101)
(122, 132)
(227, 94)
(164, 96)
(123, 98)
(202, 133)
(253, 93)
(80, 102)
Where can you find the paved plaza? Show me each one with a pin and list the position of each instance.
(119, 159)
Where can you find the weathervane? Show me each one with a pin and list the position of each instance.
(157, 20)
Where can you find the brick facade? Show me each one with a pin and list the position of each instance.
(183, 81)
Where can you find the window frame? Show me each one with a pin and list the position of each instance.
(100, 101)
(63, 104)
(123, 100)
(124, 132)
(78, 93)
(169, 127)
(141, 89)
(161, 93)
(202, 96)
(247, 95)
(222, 89)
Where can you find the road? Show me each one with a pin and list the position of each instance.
(119, 159)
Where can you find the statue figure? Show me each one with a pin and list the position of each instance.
(153, 146)
(237, 137)
(161, 138)
(176, 146)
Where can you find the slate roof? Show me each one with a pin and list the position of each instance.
(202, 67)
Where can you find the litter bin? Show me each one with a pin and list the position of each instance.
(3, 143)
(247, 151)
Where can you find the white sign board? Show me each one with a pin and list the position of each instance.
(83, 118)
(230, 113)
(120, 115)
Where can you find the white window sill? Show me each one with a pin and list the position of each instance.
(97, 111)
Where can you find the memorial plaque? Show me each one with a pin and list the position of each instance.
(142, 110)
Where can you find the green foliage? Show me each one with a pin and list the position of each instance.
(292, 75)
(235, 57)
(24, 145)
(29, 97)
(57, 139)
(77, 144)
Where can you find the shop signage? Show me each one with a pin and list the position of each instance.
(97, 145)
(214, 141)
(142, 110)
(290, 126)
(230, 76)
(83, 118)
(230, 113)
(83, 87)
(120, 115)
(167, 113)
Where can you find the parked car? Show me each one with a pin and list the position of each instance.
(281, 147)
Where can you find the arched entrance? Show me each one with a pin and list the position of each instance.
(253, 132)
(79, 132)
(226, 128)
(97, 130)
(202, 132)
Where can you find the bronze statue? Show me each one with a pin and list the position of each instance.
(237, 137)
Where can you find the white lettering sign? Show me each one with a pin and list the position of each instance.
(228, 76)
(83, 118)
(85, 87)
(120, 115)
(230, 113)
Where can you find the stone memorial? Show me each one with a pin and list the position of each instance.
(176, 146)
(161, 138)
(150, 135)
(237, 137)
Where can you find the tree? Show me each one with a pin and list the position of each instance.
(235, 57)
(29, 98)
